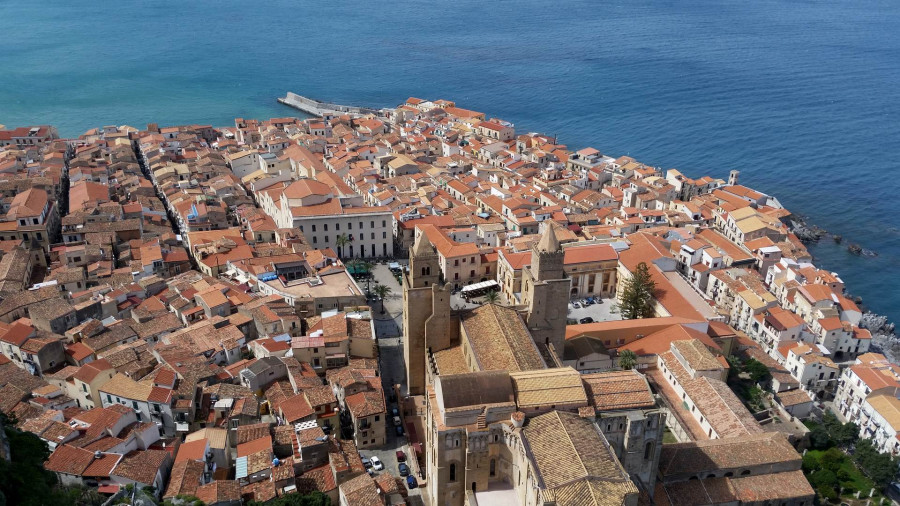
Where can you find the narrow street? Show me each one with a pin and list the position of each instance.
(388, 332)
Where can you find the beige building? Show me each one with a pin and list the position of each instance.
(483, 450)
(323, 214)
(88, 380)
(756, 469)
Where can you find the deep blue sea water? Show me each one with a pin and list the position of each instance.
(802, 97)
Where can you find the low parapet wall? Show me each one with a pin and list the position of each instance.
(318, 108)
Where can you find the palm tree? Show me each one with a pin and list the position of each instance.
(382, 291)
(627, 359)
(367, 267)
(492, 297)
(341, 241)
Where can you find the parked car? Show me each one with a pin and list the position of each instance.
(587, 302)
(404, 469)
(577, 305)
(399, 430)
(411, 482)
(586, 319)
(401, 456)
(367, 462)
(377, 464)
(397, 421)
(395, 411)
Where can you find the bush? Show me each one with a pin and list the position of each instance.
(829, 494)
(811, 464)
(832, 459)
(823, 478)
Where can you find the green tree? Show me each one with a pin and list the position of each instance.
(637, 296)
(824, 478)
(492, 297)
(23, 479)
(757, 370)
(735, 367)
(832, 459)
(341, 241)
(880, 467)
(627, 359)
(382, 291)
(810, 463)
(819, 438)
(841, 434)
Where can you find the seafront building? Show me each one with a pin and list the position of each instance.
(178, 309)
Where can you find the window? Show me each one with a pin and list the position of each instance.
(383, 235)
(373, 236)
(453, 472)
(325, 227)
(337, 226)
(315, 239)
(377, 418)
(383, 223)
(313, 228)
(493, 467)
(372, 224)
(648, 450)
(349, 226)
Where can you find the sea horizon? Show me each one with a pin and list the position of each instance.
(782, 91)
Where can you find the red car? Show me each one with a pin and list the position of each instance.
(401, 457)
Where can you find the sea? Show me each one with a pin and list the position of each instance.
(802, 97)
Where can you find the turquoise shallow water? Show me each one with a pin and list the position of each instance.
(803, 97)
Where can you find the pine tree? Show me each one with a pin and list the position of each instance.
(637, 297)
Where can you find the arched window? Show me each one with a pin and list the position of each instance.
(493, 467)
(745, 472)
(648, 450)
(452, 472)
(729, 474)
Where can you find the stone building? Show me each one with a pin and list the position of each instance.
(483, 450)
(427, 322)
(545, 292)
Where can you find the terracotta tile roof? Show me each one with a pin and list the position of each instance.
(500, 340)
(363, 404)
(219, 491)
(184, 479)
(768, 448)
(254, 446)
(361, 491)
(102, 467)
(296, 408)
(192, 450)
(260, 491)
(614, 390)
(566, 449)
(697, 355)
(141, 466)
(69, 460)
(318, 479)
(545, 387)
(247, 433)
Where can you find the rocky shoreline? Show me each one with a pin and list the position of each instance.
(809, 233)
(884, 338)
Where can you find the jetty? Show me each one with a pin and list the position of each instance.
(323, 109)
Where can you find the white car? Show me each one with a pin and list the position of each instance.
(377, 464)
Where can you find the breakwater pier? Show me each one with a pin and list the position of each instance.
(323, 109)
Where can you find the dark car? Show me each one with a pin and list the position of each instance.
(404, 469)
(401, 456)
(411, 482)
(586, 319)
(399, 430)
